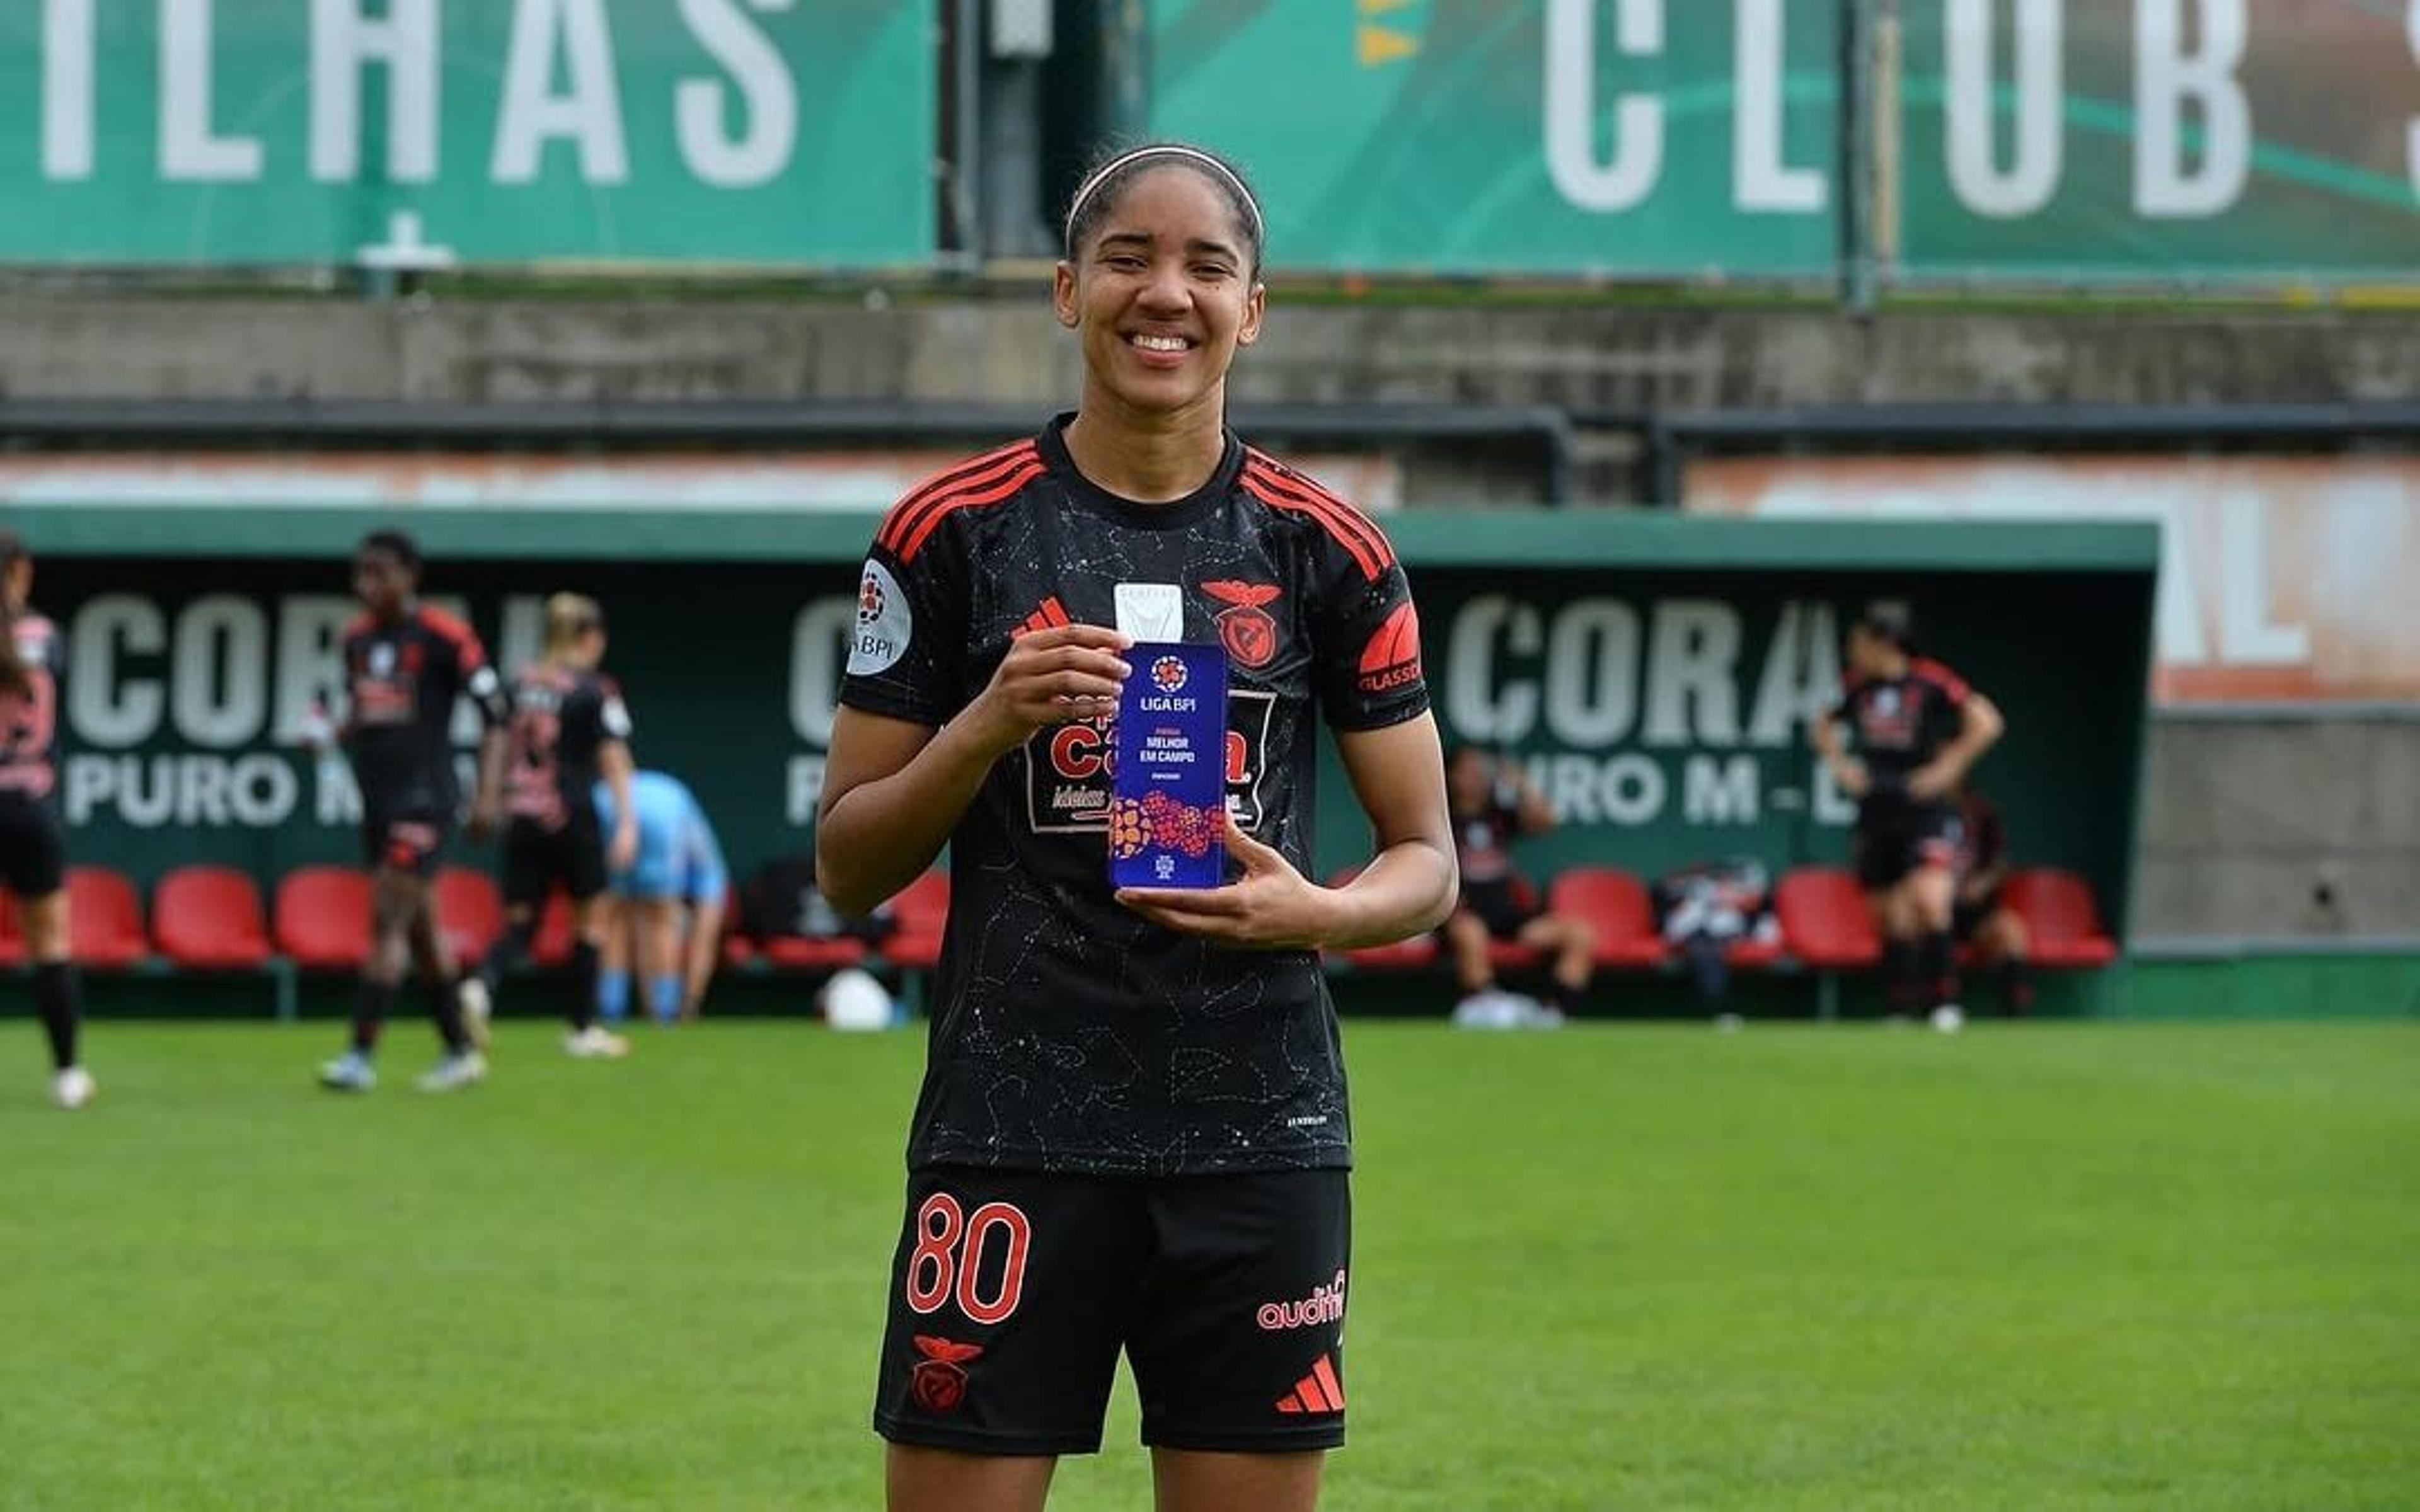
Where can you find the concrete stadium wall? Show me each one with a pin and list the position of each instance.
(2299, 828)
(1008, 348)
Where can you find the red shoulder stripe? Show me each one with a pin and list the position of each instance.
(902, 520)
(466, 641)
(1366, 543)
(992, 489)
(1297, 486)
(1942, 677)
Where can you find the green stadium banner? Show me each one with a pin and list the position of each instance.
(2160, 141)
(1556, 137)
(477, 131)
(1656, 675)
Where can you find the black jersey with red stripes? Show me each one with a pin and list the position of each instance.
(29, 717)
(1067, 1032)
(401, 680)
(561, 717)
(1900, 723)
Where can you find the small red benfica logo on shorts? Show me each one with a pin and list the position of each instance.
(1247, 630)
(940, 1383)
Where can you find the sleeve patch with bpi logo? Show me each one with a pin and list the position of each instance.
(884, 622)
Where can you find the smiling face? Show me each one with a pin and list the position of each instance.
(1162, 291)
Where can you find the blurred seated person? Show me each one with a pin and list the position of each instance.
(1703, 910)
(1979, 917)
(1493, 803)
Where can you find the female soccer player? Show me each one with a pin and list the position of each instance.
(405, 664)
(33, 842)
(1918, 729)
(569, 727)
(1132, 1133)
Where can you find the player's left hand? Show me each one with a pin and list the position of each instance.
(483, 821)
(624, 849)
(1270, 907)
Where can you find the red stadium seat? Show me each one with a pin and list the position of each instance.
(105, 919)
(209, 918)
(1752, 954)
(2062, 926)
(323, 916)
(552, 945)
(1615, 904)
(1823, 918)
(470, 914)
(12, 938)
(920, 909)
(802, 953)
(738, 949)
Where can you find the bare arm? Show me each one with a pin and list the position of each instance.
(895, 789)
(1399, 775)
(1979, 726)
(489, 802)
(1530, 810)
(702, 954)
(613, 763)
(1846, 769)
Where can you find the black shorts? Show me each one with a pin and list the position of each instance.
(33, 846)
(1500, 906)
(537, 858)
(408, 836)
(1013, 1293)
(1896, 842)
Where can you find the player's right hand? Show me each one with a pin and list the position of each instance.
(482, 823)
(1853, 778)
(1049, 677)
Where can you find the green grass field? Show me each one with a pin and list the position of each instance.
(1856, 1267)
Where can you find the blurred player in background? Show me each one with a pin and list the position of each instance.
(405, 663)
(33, 839)
(1980, 917)
(568, 730)
(668, 903)
(1917, 728)
(1495, 804)
(1133, 1132)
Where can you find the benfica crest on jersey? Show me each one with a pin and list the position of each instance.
(1249, 635)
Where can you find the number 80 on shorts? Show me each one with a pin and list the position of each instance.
(947, 1260)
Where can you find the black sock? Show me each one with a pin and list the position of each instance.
(511, 946)
(2016, 987)
(1558, 994)
(445, 1011)
(371, 1007)
(1900, 975)
(58, 995)
(1939, 969)
(584, 966)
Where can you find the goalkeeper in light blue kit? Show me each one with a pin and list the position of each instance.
(678, 875)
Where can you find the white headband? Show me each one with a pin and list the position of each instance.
(1126, 160)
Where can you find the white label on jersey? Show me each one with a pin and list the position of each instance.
(1150, 611)
(616, 719)
(884, 622)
